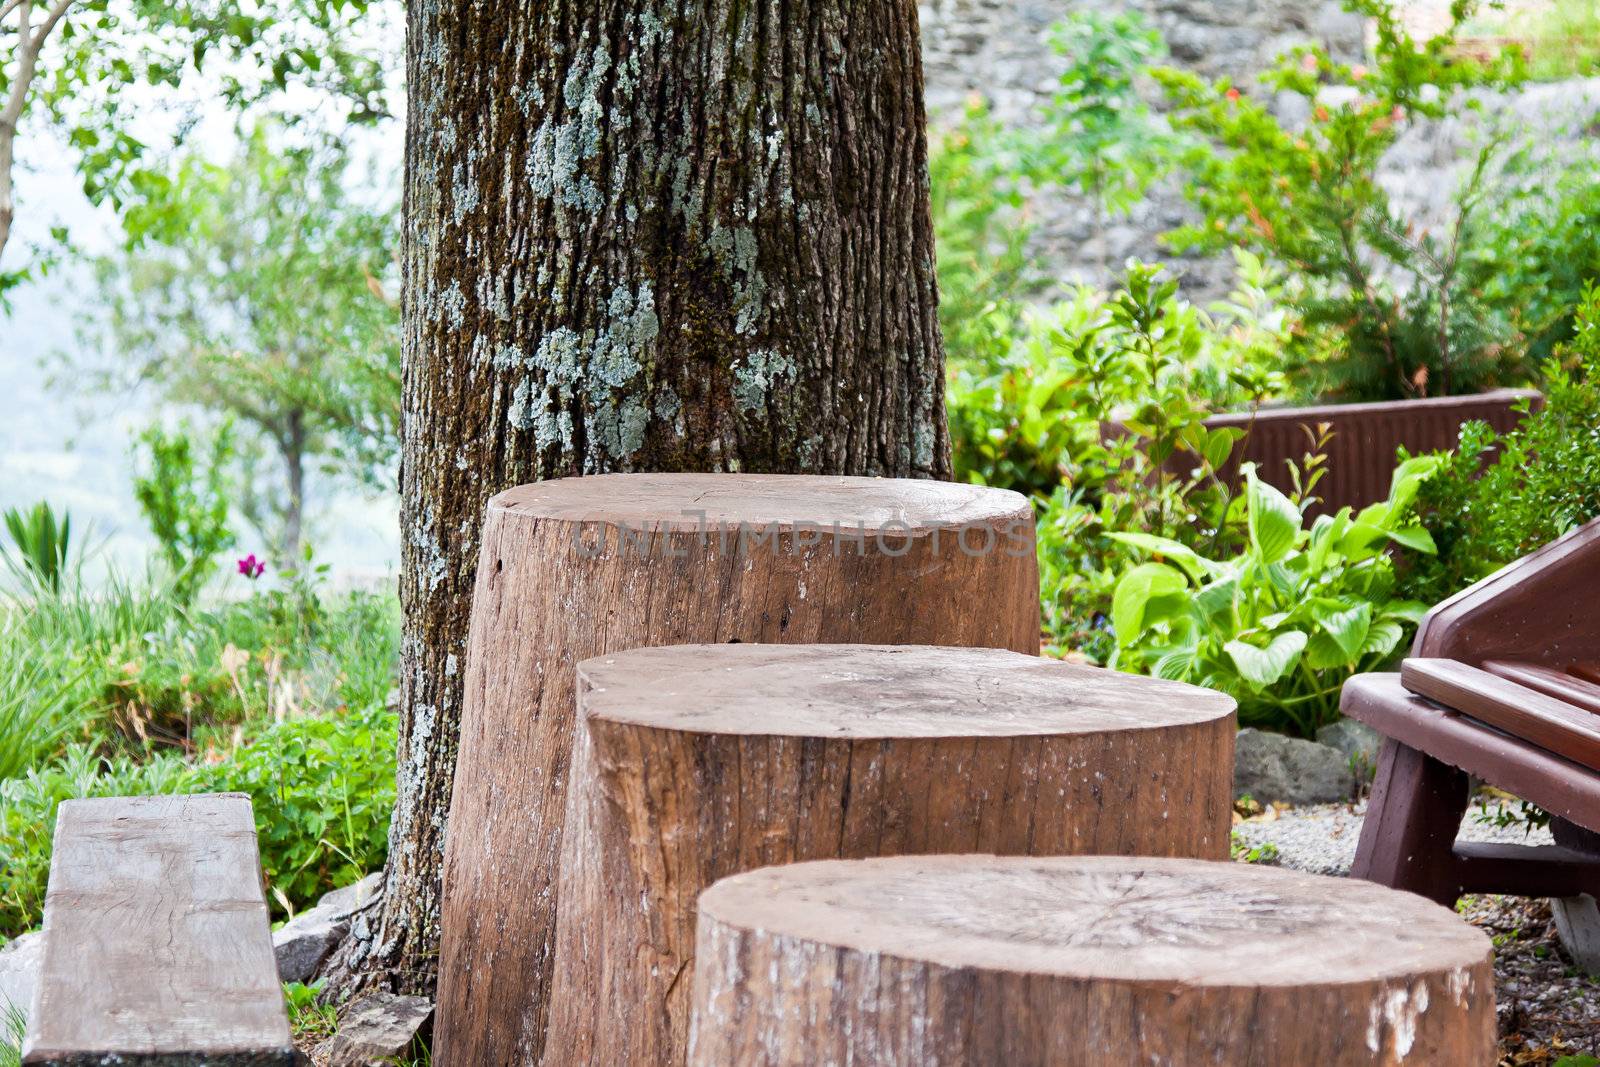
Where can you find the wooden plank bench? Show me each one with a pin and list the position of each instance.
(1502, 686)
(157, 944)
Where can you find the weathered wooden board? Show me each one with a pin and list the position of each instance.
(158, 947)
(971, 961)
(699, 761)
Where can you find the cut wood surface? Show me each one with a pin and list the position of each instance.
(1552, 724)
(575, 568)
(960, 961)
(158, 947)
(695, 762)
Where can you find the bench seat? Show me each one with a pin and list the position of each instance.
(157, 943)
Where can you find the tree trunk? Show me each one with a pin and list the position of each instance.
(697, 762)
(581, 567)
(640, 237)
(294, 466)
(967, 961)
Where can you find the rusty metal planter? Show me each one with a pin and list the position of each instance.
(1361, 453)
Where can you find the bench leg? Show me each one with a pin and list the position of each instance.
(1410, 830)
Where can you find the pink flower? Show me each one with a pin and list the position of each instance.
(251, 567)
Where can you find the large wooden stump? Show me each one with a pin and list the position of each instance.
(573, 568)
(697, 762)
(968, 961)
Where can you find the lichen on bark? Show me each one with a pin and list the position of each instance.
(639, 236)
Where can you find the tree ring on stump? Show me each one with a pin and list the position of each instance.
(966, 960)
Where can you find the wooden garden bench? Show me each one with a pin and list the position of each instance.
(1503, 684)
(157, 945)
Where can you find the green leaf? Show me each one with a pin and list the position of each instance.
(1133, 595)
(1193, 564)
(1382, 638)
(1347, 627)
(1262, 666)
(1415, 538)
(1274, 521)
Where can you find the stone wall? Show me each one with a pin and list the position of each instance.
(998, 48)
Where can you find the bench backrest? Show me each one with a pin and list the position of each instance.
(157, 943)
(1540, 609)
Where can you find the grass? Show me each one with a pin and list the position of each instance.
(128, 690)
(12, 1025)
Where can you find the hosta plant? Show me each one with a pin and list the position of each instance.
(1283, 623)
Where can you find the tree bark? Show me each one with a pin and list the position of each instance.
(639, 236)
(966, 961)
(697, 762)
(580, 567)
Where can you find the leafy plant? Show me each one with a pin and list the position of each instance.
(322, 788)
(1540, 254)
(1283, 623)
(42, 542)
(1097, 136)
(185, 503)
(1138, 381)
(980, 235)
(1390, 310)
(1487, 508)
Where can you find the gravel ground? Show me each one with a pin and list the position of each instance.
(1547, 1009)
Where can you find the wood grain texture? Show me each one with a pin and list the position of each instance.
(697, 762)
(556, 586)
(158, 947)
(1561, 684)
(1552, 724)
(960, 961)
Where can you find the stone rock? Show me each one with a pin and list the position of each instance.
(1356, 740)
(376, 1030)
(1272, 768)
(19, 971)
(302, 943)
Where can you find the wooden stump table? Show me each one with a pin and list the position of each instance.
(696, 762)
(577, 567)
(962, 961)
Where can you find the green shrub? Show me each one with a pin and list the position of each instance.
(1544, 481)
(1391, 311)
(980, 234)
(1541, 253)
(322, 788)
(185, 503)
(1129, 381)
(1097, 136)
(1282, 624)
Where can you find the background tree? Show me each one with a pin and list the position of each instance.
(90, 67)
(639, 237)
(256, 291)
